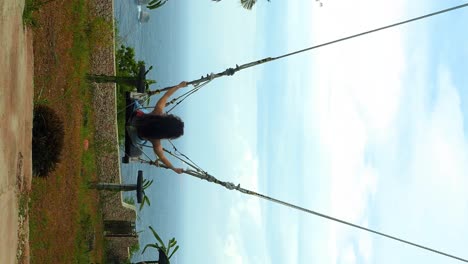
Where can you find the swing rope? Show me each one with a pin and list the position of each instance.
(187, 160)
(184, 96)
(232, 71)
(197, 172)
(202, 175)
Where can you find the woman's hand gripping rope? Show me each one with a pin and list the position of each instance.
(158, 163)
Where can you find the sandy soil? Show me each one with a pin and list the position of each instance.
(16, 104)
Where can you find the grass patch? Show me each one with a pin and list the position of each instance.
(30, 7)
(129, 200)
(89, 239)
(134, 248)
(65, 220)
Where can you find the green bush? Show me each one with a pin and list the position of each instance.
(127, 65)
(47, 141)
(99, 32)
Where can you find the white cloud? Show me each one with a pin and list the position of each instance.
(348, 255)
(245, 209)
(439, 163)
(245, 212)
(430, 191)
(355, 96)
(232, 251)
(364, 246)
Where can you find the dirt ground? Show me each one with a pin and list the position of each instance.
(16, 107)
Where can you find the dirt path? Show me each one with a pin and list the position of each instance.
(16, 103)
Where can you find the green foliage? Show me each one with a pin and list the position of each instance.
(47, 141)
(248, 4)
(134, 249)
(156, 4)
(28, 13)
(126, 65)
(99, 32)
(129, 200)
(145, 200)
(85, 238)
(147, 183)
(172, 244)
(30, 7)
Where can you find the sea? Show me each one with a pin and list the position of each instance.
(157, 42)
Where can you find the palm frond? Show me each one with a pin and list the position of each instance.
(145, 201)
(156, 4)
(171, 243)
(147, 183)
(248, 4)
(175, 250)
(156, 246)
(163, 247)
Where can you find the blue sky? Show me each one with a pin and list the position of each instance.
(371, 130)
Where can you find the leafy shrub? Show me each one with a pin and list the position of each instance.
(47, 141)
(127, 65)
(99, 32)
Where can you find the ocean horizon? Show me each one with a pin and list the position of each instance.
(155, 42)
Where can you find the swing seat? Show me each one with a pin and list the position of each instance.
(132, 146)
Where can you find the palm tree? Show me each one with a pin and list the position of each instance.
(139, 81)
(139, 187)
(165, 253)
(155, 4)
(247, 4)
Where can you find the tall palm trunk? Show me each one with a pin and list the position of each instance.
(128, 80)
(116, 187)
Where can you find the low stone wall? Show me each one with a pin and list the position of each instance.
(106, 138)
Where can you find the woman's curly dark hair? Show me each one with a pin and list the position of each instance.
(159, 126)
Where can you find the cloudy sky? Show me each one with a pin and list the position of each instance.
(371, 130)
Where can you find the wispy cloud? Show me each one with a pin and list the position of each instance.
(355, 97)
(429, 189)
(244, 238)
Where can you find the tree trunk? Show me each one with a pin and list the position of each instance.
(128, 80)
(116, 187)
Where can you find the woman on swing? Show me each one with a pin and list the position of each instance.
(157, 125)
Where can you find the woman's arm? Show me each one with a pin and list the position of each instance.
(160, 153)
(159, 108)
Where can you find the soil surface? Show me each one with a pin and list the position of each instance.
(16, 108)
(55, 80)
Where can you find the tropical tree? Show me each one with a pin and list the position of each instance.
(154, 4)
(247, 4)
(165, 253)
(130, 74)
(126, 63)
(145, 199)
(139, 188)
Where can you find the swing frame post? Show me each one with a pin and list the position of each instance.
(118, 187)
